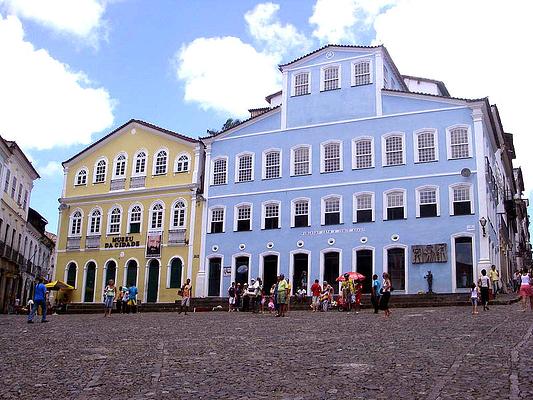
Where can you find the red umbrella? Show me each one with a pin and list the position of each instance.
(353, 276)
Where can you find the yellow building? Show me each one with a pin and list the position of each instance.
(131, 211)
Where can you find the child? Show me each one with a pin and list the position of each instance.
(473, 298)
(271, 305)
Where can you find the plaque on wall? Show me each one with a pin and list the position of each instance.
(429, 253)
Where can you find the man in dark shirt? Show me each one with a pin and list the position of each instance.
(39, 299)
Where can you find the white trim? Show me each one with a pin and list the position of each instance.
(65, 275)
(169, 265)
(104, 273)
(115, 160)
(207, 273)
(133, 173)
(154, 161)
(385, 203)
(323, 156)
(76, 184)
(89, 217)
(322, 76)
(210, 215)
(283, 108)
(333, 48)
(323, 252)
(452, 258)
(417, 197)
(261, 273)
(406, 263)
(263, 212)
(70, 219)
(129, 216)
(185, 219)
(147, 276)
(378, 71)
(293, 210)
(237, 159)
(236, 214)
(293, 82)
(150, 213)
(211, 181)
(384, 138)
(449, 143)
(354, 152)
(189, 160)
(370, 68)
(292, 253)
(83, 288)
(234, 267)
(263, 164)
(354, 257)
(108, 222)
(323, 207)
(452, 186)
(105, 172)
(354, 208)
(416, 134)
(293, 149)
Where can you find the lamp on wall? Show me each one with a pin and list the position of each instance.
(483, 222)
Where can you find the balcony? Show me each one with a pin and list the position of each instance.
(118, 184)
(73, 243)
(137, 182)
(176, 237)
(92, 242)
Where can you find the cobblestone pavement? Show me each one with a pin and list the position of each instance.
(440, 353)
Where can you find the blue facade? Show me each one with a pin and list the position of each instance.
(370, 111)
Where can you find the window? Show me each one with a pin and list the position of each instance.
(427, 202)
(330, 78)
(245, 164)
(156, 216)
(271, 215)
(14, 187)
(394, 150)
(364, 207)
(301, 160)
(220, 171)
(462, 200)
(120, 166)
(25, 200)
(459, 145)
(182, 163)
(19, 194)
(361, 73)
(8, 178)
(176, 268)
(331, 211)
(331, 157)
(140, 163)
(244, 218)
(178, 214)
(272, 164)
(301, 213)
(160, 164)
(395, 205)
(81, 177)
(114, 221)
(363, 153)
(100, 171)
(72, 270)
(95, 220)
(301, 84)
(75, 224)
(217, 220)
(135, 219)
(426, 146)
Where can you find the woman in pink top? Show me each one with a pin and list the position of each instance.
(526, 290)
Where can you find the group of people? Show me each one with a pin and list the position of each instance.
(126, 298)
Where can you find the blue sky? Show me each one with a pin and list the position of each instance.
(73, 70)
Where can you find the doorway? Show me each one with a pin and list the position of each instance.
(242, 270)
(215, 266)
(270, 272)
(90, 278)
(153, 281)
(111, 271)
(464, 262)
(396, 267)
(363, 264)
(300, 263)
(331, 269)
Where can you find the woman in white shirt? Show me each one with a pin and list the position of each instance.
(526, 290)
(484, 285)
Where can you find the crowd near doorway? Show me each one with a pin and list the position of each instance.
(215, 267)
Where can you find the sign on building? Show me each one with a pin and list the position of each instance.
(153, 245)
(429, 253)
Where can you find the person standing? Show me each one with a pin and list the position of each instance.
(348, 289)
(375, 293)
(283, 289)
(289, 289)
(494, 276)
(119, 300)
(231, 294)
(125, 300)
(132, 298)
(484, 285)
(315, 292)
(238, 295)
(110, 294)
(39, 299)
(526, 291)
(473, 298)
(385, 296)
(186, 296)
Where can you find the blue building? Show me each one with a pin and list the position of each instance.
(355, 167)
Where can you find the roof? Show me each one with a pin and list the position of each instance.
(264, 109)
(271, 96)
(136, 121)
(435, 95)
(348, 46)
(440, 84)
(13, 146)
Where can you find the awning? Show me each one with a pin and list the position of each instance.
(57, 285)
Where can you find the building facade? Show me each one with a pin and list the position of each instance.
(355, 167)
(128, 212)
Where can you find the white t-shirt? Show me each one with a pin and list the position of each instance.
(473, 294)
(485, 281)
(525, 279)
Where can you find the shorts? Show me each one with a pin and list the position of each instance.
(474, 301)
(232, 300)
(315, 300)
(525, 291)
(108, 302)
(186, 301)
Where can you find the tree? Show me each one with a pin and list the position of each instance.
(230, 123)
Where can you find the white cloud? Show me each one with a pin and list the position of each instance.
(50, 170)
(277, 38)
(44, 104)
(345, 21)
(82, 18)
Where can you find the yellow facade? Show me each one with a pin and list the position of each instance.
(110, 204)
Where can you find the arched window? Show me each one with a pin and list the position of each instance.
(156, 216)
(182, 163)
(72, 270)
(111, 271)
(75, 223)
(100, 170)
(120, 166)
(176, 270)
(393, 150)
(131, 273)
(363, 153)
(395, 205)
(95, 221)
(301, 160)
(114, 221)
(271, 164)
(81, 177)
(178, 214)
(331, 157)
(245, 168)
(135, 218)
(140, 163)
(331, 210)
(243, 218)
(220, 169)
(160, 163)
(426, 146)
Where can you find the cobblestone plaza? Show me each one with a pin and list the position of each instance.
(422, 353)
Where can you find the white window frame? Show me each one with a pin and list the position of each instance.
(154, 163)
(310, 150)
(89, 222)
(105, 170)
(236, 215)
(449, 140)
(212, 183)
(385, 203)
(108, 228)
(264, 166)
(417, 197)
(83, 169)
(115, 162)
(293, 82)
(323, 156)
(323, 208)
(471, 194)
(323, 75)
(71, 223)
(210, 217)
(384, 148)
(293, 210)
(354, 153)
(416, 135)
(130, 210)
(173, 209)
(150, 216)
(372, 202)
(135, 158)
(370, 69)
(177, 161)
(263, 211)
(237, 159)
